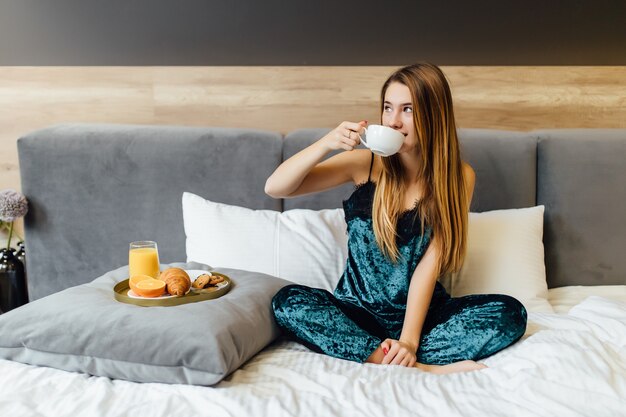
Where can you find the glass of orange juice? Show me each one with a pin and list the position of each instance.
(143, 259)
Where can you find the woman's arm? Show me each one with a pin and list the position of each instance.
(403, 351)
(303, 173)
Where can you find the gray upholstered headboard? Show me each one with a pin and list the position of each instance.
(93, 188)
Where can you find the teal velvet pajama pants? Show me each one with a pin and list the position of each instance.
(470, 327)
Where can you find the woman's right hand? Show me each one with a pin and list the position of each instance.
(345, 136)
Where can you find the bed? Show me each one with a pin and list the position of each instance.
(570, 362)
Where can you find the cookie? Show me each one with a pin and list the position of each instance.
(216, 279)
(201, 281)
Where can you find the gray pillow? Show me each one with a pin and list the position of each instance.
(84, 329)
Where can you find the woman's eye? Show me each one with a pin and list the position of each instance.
(387, 108)
(408, 109)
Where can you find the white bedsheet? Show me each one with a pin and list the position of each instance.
(571, 363)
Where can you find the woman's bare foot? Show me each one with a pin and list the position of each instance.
(461, 366)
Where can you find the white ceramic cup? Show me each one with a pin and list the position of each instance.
(382, 140)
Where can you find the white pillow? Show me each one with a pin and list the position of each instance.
(307, 247)
(505, 256)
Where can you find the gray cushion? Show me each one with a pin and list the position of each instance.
(582, 173)
(85, 329)
(93, 188)
(505, 164)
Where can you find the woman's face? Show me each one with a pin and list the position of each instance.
(398, 114)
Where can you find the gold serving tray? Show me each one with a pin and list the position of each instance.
(193, 296)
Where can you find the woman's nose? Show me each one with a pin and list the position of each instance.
(395, 120)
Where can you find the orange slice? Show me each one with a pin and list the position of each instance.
(150, 287)
(132, 282)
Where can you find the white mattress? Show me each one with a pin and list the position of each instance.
(571, 363)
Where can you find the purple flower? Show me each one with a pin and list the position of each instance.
(13, 205)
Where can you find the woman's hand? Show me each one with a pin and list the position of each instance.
(399, 352)
(345, 136)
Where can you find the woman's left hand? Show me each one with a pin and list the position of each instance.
(398, 353)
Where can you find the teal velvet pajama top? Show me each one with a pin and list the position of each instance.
(371, 281)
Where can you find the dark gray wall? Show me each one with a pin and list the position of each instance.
(296, 32)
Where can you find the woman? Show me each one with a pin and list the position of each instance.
(407, 226)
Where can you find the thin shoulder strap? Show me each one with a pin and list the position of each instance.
(371, 165)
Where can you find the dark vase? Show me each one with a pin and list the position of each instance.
(13, 291)
(21, 255)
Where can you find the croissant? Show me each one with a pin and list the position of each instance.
(177, 281)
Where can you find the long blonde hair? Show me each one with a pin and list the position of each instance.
(444, 205)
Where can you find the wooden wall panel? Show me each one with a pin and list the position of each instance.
(286, 98)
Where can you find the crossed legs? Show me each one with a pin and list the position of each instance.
(456, 332)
